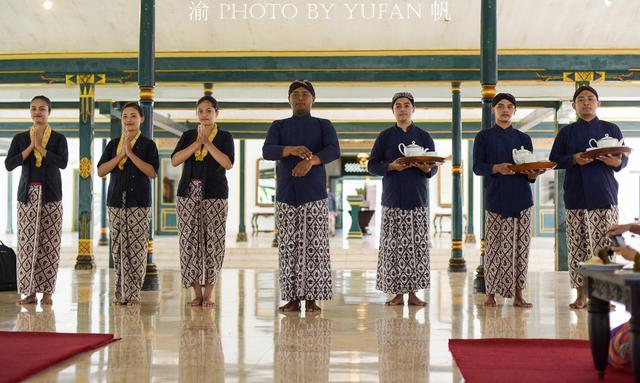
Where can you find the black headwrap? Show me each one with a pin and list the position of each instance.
(503, 96)
(302, 84)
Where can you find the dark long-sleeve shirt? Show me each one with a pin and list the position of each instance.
(407, 189)
(591, 186)
(48, 173)
(319, 136)
(131, 179)
(210, 171)
(504, 195)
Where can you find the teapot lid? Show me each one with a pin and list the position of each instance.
(413, 145)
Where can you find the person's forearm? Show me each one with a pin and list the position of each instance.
(144, 167)
(184, 154)
(108, 166)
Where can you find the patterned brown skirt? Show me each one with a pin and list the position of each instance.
(303, 250)
(202, 232)
(39, 235)
(507, 252)
(129, 248)
(586, 231)
(403, 258)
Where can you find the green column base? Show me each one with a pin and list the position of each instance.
(470, 238)
(478, 282)
(151, 281)
(104, 240)
(85, 262)
(457, 264)
(241, 237)
(355, 201)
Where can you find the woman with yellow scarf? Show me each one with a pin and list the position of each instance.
(132, 160)
(41, 152)
(207, 153)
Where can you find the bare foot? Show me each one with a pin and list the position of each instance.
(578, 304)
(520, 302)
(197, 301)
(208, 303)
(290, 307)
(30, 300)
(398, 300)
(46, 300)
(414, 300)
(491, 301)
(133, 303)
(311, 307)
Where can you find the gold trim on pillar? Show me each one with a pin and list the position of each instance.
(488, 91)
(456, 245)
(104, 230)
(85, 247)
(150, 246)
(85, 167)
(146, 93)
(208, 89)
(482, 248)
(456, 169)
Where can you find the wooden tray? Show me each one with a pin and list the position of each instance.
(427, 159)
(533, 166)
(613, 150)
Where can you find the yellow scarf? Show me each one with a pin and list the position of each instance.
(45, 141)
(202, 152)
(119, 150)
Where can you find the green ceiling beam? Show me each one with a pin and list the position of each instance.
(322, 68)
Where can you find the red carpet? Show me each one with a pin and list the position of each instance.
(24, 353)
(528, 360)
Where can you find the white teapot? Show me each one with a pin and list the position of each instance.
(414, 150)
(605, 142)
(523, 156)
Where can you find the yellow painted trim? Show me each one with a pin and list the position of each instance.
(332, 70)
(163, 219)
(323, 53)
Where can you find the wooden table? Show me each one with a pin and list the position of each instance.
(603, 287)
(437, 222)
(255, 229)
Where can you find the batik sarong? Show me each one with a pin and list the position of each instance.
(202, 231)
(403, 257)
(129, 248)
(586, 231)
(39, 235)
(506, 261)
(303, 251)
(302, 350)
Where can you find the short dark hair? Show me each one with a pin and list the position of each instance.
(211, 100)
(43, 98)
(582, 89)
(134, 105)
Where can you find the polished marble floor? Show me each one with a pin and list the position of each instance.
(244, 339)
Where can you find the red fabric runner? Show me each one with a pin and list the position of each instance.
(25, 353)
(528, 360)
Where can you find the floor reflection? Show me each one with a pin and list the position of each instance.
(356, 338)
(201, 357)
(403, 348)
(303, 347)
(30, 319)
(128, 359)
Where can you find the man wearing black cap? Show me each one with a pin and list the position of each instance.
(302, 145)
(590, 188)
(403, 257)
(508, 202)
